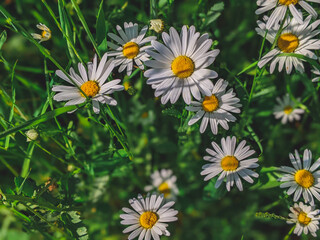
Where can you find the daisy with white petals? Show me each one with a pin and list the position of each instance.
(317, 73)
(230, 162)
(45, 34)
(215, 109)
(286, 110)
(306, 219)
(280, 8)
(93, 84)
(149, 218)
(165, 182)
(130, 47)
(302, 178)
(179, 65)
(294, 38)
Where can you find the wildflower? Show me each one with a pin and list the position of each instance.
(32, 135)
(45, 34)
(287, 110)
(180, 65)
(294, 38)
(316, 72)
(306, 219)
(157, 25)
(92, 83)
(280, 8)
(302, 179)
(215, 109)
(149, 217)
(165, 182)
(131, 47)
(231, 162)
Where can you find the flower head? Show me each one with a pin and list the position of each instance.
(32, 135)
(157, 25)
(164, 182)
(93, 83)
(231, 162)
(302, 178)
(130, 47)
(306, 219)
(45, 34)
(280, 8)
(294, 38)
(149, 217)
(179, 65)
(286, 110)
(215, 109)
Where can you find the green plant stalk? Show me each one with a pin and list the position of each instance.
(69, 42)
(153, 9)
(289, 233)
(11, 169)
(26, 161)
(85, 25)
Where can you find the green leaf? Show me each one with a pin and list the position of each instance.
(42, 118)
(101, 30)
(268, 179)
(3, 38)
(74, 225)
(26, 186)
(171, 111)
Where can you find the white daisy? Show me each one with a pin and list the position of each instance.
(286, 110)
(294, 38)
(215, 109)
(306, 219)
(165, 182)
(316, 72)
(45, 34)
(180, 65)
(231, 162)
(149, 217)
(130, 46)
(92, 83)
(302, 179)
(280, 8)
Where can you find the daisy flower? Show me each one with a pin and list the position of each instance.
(302, 178)
(280, 8)
(286, 110)
(306, 219)
(149, 217)
(316, 72)
(294, 38)
(45, 34)
(215, 109)
(130, 46)
(165, 182)
(179, 66)
(92, 83)
(231, 162)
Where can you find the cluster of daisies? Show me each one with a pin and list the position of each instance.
(179, 66)
(292, 40)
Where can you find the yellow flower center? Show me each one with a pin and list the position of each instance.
(304, 178)
(90, 88)
(288, 2)
(46, 34)
(148, 219)
(288, 42)
(165, 189)
(287, 110)
(130, 50)
(210, 104)
(229, 163)
(182, 66)
(303, 219)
